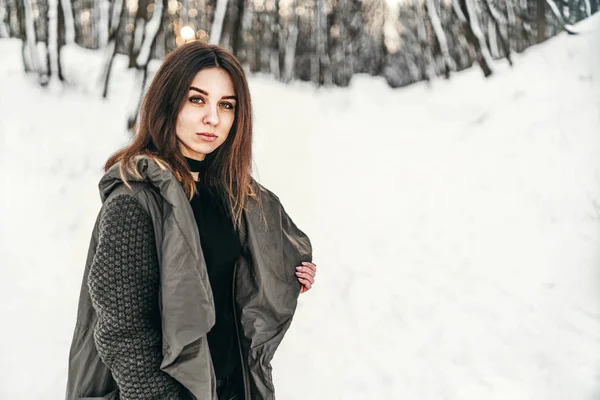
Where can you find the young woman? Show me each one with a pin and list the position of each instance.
(194, 269)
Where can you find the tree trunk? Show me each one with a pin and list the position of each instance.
(541, 20)
(342, 67)
(556, 13)
(245, 15)
(30, 54)
(153, 26)
(510, 26)
(440, 35)
(501, 28)
(277, 44)
(323, 62)
(20, 11)
(138, 32)
(426, 61)
(217, 26)
(51, 40)
(103, 22)
(4, 30)
(318, 38)
(60, 39)
(290, 49)
(69, 22)
(587, 7)
(111, 51)
(237, 41)
(475, 37)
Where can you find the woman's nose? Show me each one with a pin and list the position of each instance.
(211, 117)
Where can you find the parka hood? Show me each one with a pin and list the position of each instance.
(161, 178)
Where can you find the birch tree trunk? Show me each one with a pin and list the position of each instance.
(290, 49)
(30, 54)
(475, 37)
(587, 7)
(4, 29)
(427, 61)
(52, 48)
(557, 15)
(138, 32)
(440, 35)
(501, 28)
(69, 22)
(111, 48)
(103, 22)
(153, 27)
(278, 44)
(323, 63)
(217, 26)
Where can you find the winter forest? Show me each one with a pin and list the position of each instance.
(322, 41)
(442, 156)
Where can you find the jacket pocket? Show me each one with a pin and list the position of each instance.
(114, 395)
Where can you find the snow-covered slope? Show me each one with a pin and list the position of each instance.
(456, 227)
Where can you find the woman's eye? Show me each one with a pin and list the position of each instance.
(196, 100)
(228, 106)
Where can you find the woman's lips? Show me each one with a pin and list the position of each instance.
(208, 137)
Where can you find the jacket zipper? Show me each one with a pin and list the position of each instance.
(244, 376)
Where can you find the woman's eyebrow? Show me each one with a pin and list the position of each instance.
(204, 92)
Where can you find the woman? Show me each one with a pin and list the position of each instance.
(194, 269)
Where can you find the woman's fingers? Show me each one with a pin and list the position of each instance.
(306, 276)
(306, 283)
(308, 268)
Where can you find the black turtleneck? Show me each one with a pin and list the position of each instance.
(221, 247)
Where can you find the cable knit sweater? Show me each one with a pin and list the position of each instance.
(123, 284)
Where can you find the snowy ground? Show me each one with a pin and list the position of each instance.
(456, 227)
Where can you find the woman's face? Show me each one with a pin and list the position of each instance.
(207, 114)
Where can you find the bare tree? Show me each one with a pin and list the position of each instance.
(217, 26)
(290, 48)
(53, 41)
(587, 6)
(278, 43)
(3, 15)
(469, 17)
(323, 41)
(501, 27)
(338, 43)
(558, 17)
(103, 21)
(323, 65)
(156, 23)
(427, 64)
(139, 24)
(510, 26)
(440, 35)
(30, 54)
(68, 21)
(115, 25)
(540, 10)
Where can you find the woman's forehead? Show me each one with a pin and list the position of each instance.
(214, 82)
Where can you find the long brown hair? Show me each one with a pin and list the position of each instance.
(228, 169)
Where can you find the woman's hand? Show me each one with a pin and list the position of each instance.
(306, 275)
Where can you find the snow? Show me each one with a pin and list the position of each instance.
(456, 227)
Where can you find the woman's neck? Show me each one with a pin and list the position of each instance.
(197, 167)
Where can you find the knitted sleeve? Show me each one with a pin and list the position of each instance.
(124, 283)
